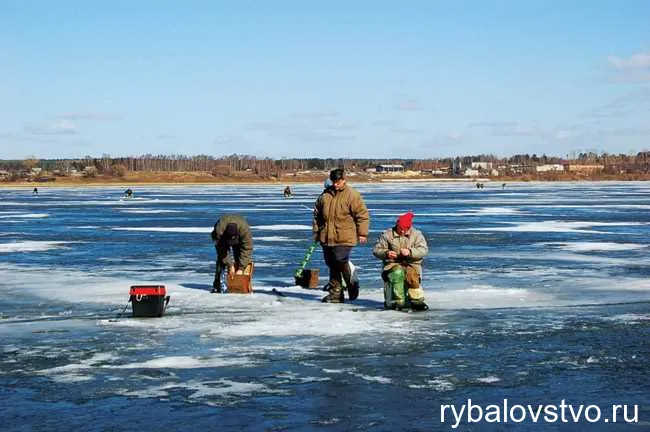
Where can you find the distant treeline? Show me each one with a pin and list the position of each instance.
(226, 165)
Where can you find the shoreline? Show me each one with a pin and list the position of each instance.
(199, 178)
(260, 182)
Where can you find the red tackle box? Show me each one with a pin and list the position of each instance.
(148, 300)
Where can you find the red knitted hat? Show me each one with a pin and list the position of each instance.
(405, 221)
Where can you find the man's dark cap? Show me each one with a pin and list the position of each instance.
(337, 174)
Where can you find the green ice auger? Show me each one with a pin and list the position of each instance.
(306, 259)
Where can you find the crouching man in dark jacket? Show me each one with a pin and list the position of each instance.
(231, 232)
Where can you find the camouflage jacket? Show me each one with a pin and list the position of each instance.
(245, 240)
(413, 240)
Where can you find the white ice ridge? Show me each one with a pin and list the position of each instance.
(630, 318)
(485, 211)
(486, 296)
(496, 211)
(209, 229)
(24, 216)
(96, 203)
(597, 206)
(257, 209)
(276, 239)
(167, 229)
(595, 246)
(186, 362)
(92, 362)
(283, 227)
(145, 211)
(490, 379)
(201, 390)
(553, 226)
(30, 246)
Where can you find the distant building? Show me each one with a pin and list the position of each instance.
(389, 168)
(469, 172)
(583, 168)
(482, 165)
(549, 167)
(520, 169)
(457, 166)
(439, 171)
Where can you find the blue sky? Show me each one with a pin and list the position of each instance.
(323, 79)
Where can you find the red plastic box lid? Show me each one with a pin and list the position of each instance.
(151, 290)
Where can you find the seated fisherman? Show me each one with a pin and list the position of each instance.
(287, 192)
(402, 249)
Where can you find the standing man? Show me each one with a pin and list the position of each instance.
(402, 249)
(231, 232)
(340, 220)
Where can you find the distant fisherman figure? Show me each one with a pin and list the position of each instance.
(287, 192)
(402, 249)
(35, 191)
(128, 193)
(231, 232)
(340, 220)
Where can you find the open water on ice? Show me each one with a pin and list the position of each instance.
(539, 293)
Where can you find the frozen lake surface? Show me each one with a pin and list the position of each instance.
(539, 292)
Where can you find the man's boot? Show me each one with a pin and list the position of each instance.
(416, 299)
(419, 305)
(353, 290)
(335, 293)
(216, 285)
(352, 284)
